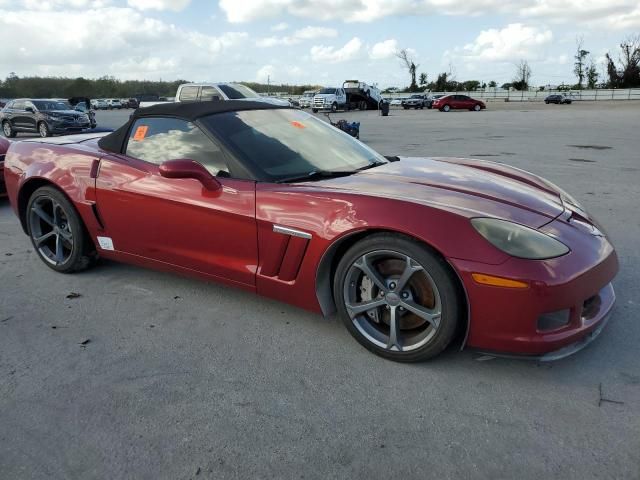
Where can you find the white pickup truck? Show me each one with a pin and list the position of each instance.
(353, 95)
(220, 91)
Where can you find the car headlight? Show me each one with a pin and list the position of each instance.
(518, 240)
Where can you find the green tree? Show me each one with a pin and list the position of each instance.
(423, 79)
(579, 66)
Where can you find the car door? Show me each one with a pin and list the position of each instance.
(177, 221)
(18, 114)
(30, 116)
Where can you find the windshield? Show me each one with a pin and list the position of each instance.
(42, 105)
(308, 94)
(327, 91)
(235, 91)
(285, 143)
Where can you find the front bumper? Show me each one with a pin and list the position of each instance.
(60, 127)
(507, 320)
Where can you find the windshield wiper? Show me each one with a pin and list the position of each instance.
(318, 175)
(371, 165)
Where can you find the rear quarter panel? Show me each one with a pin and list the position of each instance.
(29, 165)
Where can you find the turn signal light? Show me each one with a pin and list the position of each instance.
(498, 281)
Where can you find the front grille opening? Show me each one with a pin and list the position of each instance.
(591, 307)
(554, 320)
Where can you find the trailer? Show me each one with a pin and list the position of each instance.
(353, 95)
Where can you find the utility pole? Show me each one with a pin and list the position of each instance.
(268, 84)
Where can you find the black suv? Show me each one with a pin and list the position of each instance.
(557, 99)
(45, 117)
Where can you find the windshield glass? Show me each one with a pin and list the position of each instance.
(236, 91)
(329, 91)
(284, 143)
(51, 105)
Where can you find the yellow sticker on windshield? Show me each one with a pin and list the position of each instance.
(141, 132)
(298, 124)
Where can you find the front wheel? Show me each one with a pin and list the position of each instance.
(446, 108)
(334, 107)
(314, 110)
(397, 298)
(477, 108)
(43, 130)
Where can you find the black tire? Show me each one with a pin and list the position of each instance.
(435, 267)
(43, 130)
(445, 108)
(82, 252)
(334, 107)
(314, 110)
(8, 130)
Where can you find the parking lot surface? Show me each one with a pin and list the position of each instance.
(183, 379)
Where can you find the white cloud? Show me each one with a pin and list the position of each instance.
(280, 27)
(384, 50)
(265, 73)
(306, 33)
(615, 14)
(175, 5)
(129, 45)
(513, 42)
(348, 52)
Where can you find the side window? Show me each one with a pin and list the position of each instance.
(18, 105)
(156, 140)
(208, 94)
(189, 94)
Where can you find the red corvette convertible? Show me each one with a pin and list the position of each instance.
(412, 252)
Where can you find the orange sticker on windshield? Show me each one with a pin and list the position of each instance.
(297, 124)
(141, 132)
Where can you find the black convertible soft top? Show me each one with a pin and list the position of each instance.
(186, 110)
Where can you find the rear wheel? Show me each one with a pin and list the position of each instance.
(8, 130)
(57, 232)
(397, 298)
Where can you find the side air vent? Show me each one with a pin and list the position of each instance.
(286, 253)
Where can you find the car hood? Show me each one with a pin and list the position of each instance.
(469, 187)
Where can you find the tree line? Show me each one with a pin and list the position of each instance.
(109, 87)
(622, 71)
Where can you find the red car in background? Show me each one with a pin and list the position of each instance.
(412, 252)
(458, 102)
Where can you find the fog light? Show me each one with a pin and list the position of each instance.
(554, 320)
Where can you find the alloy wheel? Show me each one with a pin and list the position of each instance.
(44, 131)
(7, 129)
(392, 301)
(50, 230)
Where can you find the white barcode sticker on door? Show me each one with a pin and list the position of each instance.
(105, 243)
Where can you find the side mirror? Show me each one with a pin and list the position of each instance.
(185, 168)
(30, 110)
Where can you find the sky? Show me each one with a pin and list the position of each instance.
(321, 42)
